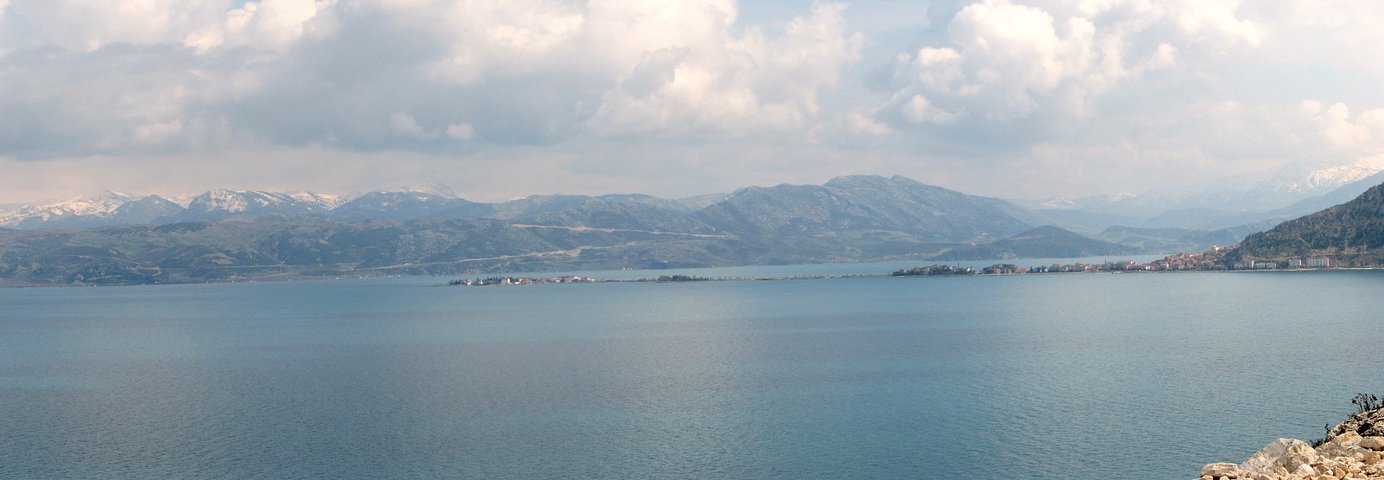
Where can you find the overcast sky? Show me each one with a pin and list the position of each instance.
(506, 98)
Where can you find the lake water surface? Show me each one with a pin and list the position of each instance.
(1057, 376)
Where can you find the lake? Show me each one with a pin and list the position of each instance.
(1037, 376)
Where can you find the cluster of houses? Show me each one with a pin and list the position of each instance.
(481, 282)
(1208, 260)
(1292, 263)
(1126, 266)
(1212, 259)
(934, 270)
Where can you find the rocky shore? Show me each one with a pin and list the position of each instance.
(1352, 450)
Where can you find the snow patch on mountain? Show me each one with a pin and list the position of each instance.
(1326, 179)
(234, 201)
(437, 189)
(325, 200)
(1078, 203)
(97, 205)
(1254, 191)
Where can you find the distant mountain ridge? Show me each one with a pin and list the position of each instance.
(100, 209)
(1335, 197)
(1169, 240)
(1263, 191)
(247, 234)
(864, 203)
(1042, 242)
(896, 204)
(107, 208)
(220, 204)
(403, 205)
(1351, 233)
(1292, 191)
(1289, 192)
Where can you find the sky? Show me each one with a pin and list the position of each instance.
(507, 98)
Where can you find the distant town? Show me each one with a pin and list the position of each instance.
(1210, 260)
(488, 281)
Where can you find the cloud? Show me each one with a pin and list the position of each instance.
(1213, 17)
(1009, 62)
(87, 25)
(118, 98)
(461, 131)
(265, 24)
(407, 125)
(203, 24)
(1064, 92)
(139, 76)
(730, 84)
(1337, 125)
(920, 110)
(401, 74)
(861, 124)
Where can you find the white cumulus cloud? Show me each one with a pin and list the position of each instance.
(1344, 130)
(726, 83)
(1005, 61)
(403, 73)
(611, 91)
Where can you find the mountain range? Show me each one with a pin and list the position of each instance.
(226, 235)
(231, 235)
(1224, 204)
(108, 208)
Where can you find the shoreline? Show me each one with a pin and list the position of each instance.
(534, 280)
(295, 278)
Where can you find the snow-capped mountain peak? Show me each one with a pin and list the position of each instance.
(436, 189)
(100, 203)
(1253, 191)
(93, 209)
(326, 200)
(1324, 179)
(234, 201)
(238, 201)
(221, 203)
(107, 208)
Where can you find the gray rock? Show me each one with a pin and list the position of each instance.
(1375, 443)
(1221, 470)
(1289, 453)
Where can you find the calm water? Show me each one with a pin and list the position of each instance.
(1062, 376)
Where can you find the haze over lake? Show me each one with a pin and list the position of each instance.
(1060, 376)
